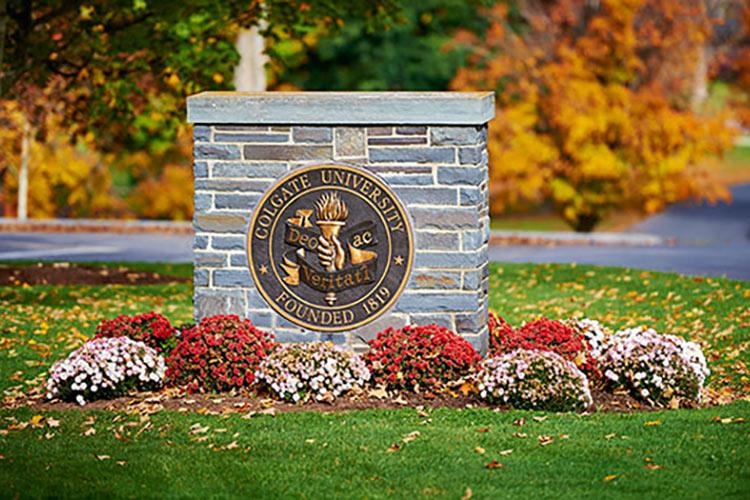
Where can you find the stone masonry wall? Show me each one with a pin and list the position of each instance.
(438, 172)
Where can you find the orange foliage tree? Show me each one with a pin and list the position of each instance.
(593, 106)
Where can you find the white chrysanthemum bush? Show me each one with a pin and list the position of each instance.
(653, 367)
(104, 368)
(319, 371)
(594, 332)
(533, 379)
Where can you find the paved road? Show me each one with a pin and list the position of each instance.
(145, 247)
(711, 241)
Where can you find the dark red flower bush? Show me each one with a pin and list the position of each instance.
(219, 354)
(500, 333)
(151, 328)
(548, 335)
(425, 357)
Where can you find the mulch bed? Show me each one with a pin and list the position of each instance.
(250, 405)
(63, 273)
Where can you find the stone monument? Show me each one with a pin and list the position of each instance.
(334, 215)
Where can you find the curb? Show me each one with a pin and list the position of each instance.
(94, 226)
(553, 238)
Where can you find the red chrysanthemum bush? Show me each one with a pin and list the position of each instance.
(500, 333)
(550, 335)
(419, 357)
(151, 328)
(219, 354)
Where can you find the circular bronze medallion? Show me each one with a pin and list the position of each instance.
(330, 247)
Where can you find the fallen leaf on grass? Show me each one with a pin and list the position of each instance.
(121, 462)
(89, 432)
(410, 437)
(494, 465)
(51, 422)
(506, 452)
(36, 420)
(611, 477)
(393, 448)
(653, 466)
(484, 429)
(231, 445)
(653, 422)
(103, 457)
(479, 450)
(519, 434)
(539, 419)
(519, 422)
(467, 494)
(544, 440)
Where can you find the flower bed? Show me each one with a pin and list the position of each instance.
(151, 328)
(318, 370)
(220, 354)
(419, 357)
(501, 333)
(104, 368)
(533, 379)
(654, 368)
(548, 335)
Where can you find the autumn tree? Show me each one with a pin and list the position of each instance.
(594, 105)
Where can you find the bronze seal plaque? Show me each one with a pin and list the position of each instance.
(330, 247)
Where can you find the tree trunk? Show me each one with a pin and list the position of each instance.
(250, 73)
(23, 171)
(700, 79)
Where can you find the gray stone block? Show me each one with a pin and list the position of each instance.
(246, 186)
(421, 302)
(370, 330)
(293, 152)
(294, 336)
(444, 320)
(472, 280)
(459, 175)
(216, 152)
(411, 130)
(412, 154)
(232, 277)
(200, 277)
(447, 260)
(228, 242)
(444, 218)
(312, 134)
(254, 298)
(240, 128)
(242, 201)
(437, 241)
(471, 196)
(210, 259)
(473, 240)
(455, 135)
(260, 319)
(200, 169)
(427, 195)
(200, 242)
(408, 179)
(238, 259)
(434, 279)
(396, 141)
(373, 131)
(220, 223)
(350, 142)
(470, 155)
(202, 201)
(258, 170)
(201, 133)
(261, 138)
(479, 342)
(236, 305)
(208, 305)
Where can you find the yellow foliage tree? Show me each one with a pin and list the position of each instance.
(592, 113)
(64, 179)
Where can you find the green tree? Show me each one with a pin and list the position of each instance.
(417, 52)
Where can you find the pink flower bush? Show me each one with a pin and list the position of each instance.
(533, 379)
(318, 370)
(592, 331)
(653, 367)
(104, 368)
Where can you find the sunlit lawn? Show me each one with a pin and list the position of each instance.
(685, 453)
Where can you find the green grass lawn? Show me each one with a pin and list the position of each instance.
(685, 453)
